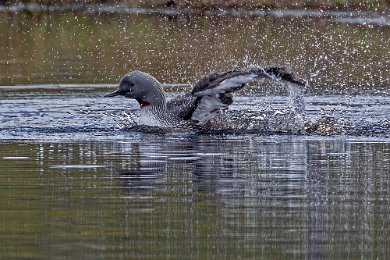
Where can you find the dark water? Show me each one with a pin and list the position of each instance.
(175, 196)
(76, 182)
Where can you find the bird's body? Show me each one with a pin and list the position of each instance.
(209, 96)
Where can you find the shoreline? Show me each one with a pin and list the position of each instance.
(354, 17)
(197, 7)
(36, 8)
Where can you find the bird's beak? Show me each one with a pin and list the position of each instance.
(115, 93)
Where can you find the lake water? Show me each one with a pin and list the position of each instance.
(78, 182)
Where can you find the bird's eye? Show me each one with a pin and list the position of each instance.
(131, 84)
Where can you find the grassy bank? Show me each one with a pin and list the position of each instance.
(361, 5)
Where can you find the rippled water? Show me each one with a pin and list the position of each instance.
(148, 195)
(78, 182)
(80, 112)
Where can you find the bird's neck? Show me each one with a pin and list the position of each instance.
(143, 103)
(157, 105)
(153, 97)
(152, 114)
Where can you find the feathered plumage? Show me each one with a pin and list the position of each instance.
(211, 94)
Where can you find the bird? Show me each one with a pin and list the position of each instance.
(209, 96)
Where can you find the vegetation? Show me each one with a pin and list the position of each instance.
(377, 5)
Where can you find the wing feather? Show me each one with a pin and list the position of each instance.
(213, 93)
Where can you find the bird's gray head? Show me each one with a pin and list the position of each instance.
(142, 87)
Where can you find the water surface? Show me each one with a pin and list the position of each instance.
(148, 195)
(78, 182)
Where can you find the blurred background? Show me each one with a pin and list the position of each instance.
(92, 42)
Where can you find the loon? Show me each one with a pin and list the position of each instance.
(209, 96)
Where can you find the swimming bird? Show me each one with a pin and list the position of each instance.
(209, 96)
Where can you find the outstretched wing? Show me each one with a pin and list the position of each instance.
(213, 93)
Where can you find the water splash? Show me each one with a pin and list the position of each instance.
(52, 115)
(285, 117)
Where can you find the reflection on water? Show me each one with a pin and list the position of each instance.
(76, 184)
(174, 195)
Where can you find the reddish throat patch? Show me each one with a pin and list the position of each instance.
(143, 103)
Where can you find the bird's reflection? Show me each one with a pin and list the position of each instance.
(279, 188)
(218, 166)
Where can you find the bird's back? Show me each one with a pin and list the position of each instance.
(182, 106)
